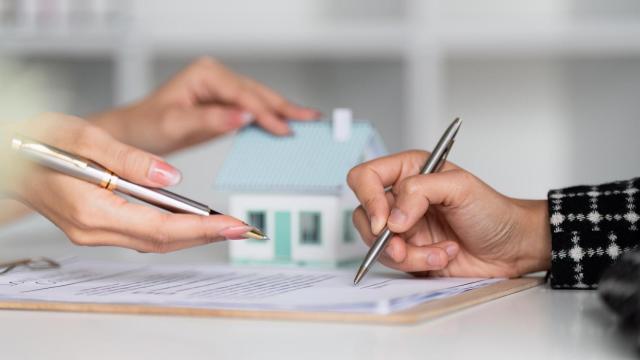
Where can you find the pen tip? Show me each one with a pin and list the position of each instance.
(358, 277)
(255, 234)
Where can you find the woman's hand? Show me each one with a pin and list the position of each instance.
(90, 215)
(448, 223)
(202, 102)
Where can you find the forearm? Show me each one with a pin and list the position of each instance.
(591, 227)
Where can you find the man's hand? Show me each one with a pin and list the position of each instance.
(203, 101)
(448, 223)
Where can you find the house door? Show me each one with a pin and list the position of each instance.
(283, 236)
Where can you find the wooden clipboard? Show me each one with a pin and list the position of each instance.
(426, 311)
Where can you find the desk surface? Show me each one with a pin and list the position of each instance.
(537, 323)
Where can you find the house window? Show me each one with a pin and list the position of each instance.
(258, 219)
(310, 228)
(348, 235)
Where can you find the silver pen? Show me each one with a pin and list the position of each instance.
(434, 163)
(73, 165)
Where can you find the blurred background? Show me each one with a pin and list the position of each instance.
(548, 90)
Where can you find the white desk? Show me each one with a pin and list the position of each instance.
(535, 324)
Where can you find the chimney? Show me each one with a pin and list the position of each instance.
(342, 118)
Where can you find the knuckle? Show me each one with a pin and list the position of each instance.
(464, 176)
(370, 203)
(206, 62)
(205, 231)
(465, 180)
(353, 176)
(411, 185)
(159, 244)
(132, 162)
(279, 103)
(159, 240)
(233, 92)
(85, 138)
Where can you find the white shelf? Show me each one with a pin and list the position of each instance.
(328, 41)
(87, 45)
(499, 40)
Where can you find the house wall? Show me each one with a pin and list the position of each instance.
(356, 249)
(328, 205)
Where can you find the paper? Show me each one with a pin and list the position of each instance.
(227, 287)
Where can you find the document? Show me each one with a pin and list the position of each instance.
(227, 287)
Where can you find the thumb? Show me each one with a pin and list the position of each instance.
(126, 161)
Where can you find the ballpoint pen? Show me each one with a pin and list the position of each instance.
(73, 165)
(434, 163)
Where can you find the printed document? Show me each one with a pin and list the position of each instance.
(227, 287)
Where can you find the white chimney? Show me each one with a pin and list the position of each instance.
(342, 119)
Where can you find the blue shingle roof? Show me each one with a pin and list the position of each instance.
(309, 161)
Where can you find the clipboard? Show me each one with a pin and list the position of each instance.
(419, 313)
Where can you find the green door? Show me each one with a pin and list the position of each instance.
(283, 236)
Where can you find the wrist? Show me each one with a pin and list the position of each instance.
(534, 237)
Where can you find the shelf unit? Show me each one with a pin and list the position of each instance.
(423, 37)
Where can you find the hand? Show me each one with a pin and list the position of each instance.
(448, 223)
(202, 102)
(90, 215)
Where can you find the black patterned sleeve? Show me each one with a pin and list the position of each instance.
(591, 226)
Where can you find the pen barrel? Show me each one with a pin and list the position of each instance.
(61, 161)
(66, 163)
(162, 198)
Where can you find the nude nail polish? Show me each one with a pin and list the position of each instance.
(163, 174)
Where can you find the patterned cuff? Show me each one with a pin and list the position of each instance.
(591, 226)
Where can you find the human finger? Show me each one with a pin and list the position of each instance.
(126, 161)
(164, 232)
(281, 105)
(395, 248)
(369, 180)
(415, 194)
(200, 123)
(233, 90)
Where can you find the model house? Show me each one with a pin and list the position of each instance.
(294, 188)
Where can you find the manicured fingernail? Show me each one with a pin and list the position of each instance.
(163, 174)
(235, 232)
(376, 225)
(433, 260)
(247, 117)
(451, 250)
(397, 216)
(238, 118)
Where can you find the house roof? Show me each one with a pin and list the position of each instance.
(309, 161)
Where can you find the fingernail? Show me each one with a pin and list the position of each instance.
(238, 118)
(397, 216)
(163, 174)
(433, 259)
(390, 252)
(451, 250)
(376, 225)
(247, 117)
(235, 232)
(315, 113)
